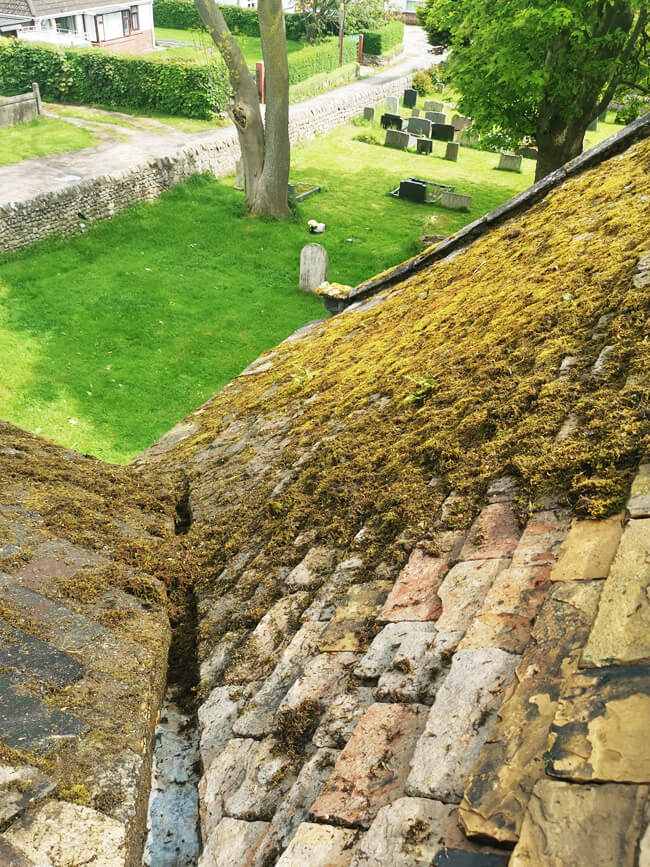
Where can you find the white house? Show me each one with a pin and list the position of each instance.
(120, 26)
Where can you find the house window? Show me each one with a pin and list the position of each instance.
(99, 27)
(126, 22)
(135, 20)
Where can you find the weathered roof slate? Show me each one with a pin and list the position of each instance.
(410, 530)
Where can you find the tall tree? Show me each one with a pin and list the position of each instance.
(264, 144)
(541, 68)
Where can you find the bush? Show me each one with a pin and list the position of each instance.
(92, 75)
(325, 81)
(315, 59)
(182, 15)
(633, 107)
(422, 83)
(380, 41)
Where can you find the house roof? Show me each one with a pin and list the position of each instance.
(418, 539)
(7, 22)
(51, 8)
(18, 8)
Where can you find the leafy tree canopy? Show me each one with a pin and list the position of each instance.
(541, 68)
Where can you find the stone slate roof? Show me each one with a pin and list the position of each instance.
(418, 535)
(18, 8)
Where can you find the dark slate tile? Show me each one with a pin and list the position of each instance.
(24, 657)
(27, 723)
(461, 858)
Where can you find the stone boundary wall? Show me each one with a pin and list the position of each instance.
(63, 211)
(21, 108)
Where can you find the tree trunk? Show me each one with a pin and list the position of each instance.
(265, 157)
(557, 143)
(271, 194)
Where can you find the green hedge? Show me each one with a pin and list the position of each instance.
(315, 59)
(381, 41)
(182, 15)
(323, 82)
(92, 75)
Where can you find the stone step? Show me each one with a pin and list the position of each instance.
(27, 723)
(26, 658)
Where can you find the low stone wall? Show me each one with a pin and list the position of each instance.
(21, 108)
(65, 211)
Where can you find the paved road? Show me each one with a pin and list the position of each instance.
(24, 180)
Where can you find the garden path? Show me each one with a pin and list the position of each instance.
(20, 181)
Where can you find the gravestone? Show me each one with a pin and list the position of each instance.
(456, 201)
(418, 126)
(528, 153)
(459, 122)
(424, 145)
(369, 113)
(239, 175)
(433, 105)
(415, 112)
(391, 121)
(510, 162)
(392, 104)
(410, 97)
(396, 139)
(603, 115)
(313, 267)
(414, 191)
(442, 131)
(452, 151)
(437, 117)
(593, 126)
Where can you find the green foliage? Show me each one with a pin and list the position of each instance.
(322, 82)
(116, 81)
(321, 58)
(633, 108)
(182, 15)
(539, 67)
(381, 41)
(422, 83)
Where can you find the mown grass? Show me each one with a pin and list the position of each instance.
(109, 338)
(40, 136)
(201, 46)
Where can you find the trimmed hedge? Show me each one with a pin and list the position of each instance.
(315, 59)
(182, 15)
(92, 75)
(323, 82)
(381, 41)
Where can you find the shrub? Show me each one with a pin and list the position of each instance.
(422, 83)
(325, 81)
(631, 110)
(182, 15)
(384, 38)
(315, 59)
(92, 75)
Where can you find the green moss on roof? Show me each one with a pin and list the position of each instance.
(450, 382)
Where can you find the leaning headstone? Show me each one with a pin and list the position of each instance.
(456, 202)
(452, 151)
(396, 139)
(593, 126)
(391, 121)
(369, 113)
(510, 162)
(433, 105)
(603, 115)
(424, 145)
(392, 104)
(415, 112)
(442, 131)
(239, 175)
(418, 126)
(438, 117)
(414, 191)
(313, 267)
(410, 97)
(459, 122)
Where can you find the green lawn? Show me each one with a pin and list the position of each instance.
(40, 136)
(202, 46)
(109, 338)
